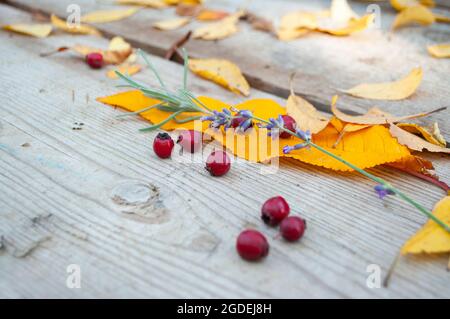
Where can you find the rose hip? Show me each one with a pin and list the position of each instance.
(94, 60)
(290, 124)
(218, 163)
(190, 140)
(292, 228)
(252, 245)
(274, 210)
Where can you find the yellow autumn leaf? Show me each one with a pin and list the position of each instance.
(127, 69)
(397, 90)
(171, 24)
(104, 16)
(341, 12)
(432, 238)
(353, 26)
(414, 142)
(79, 29)
(176, 2)
(211, 15)
(299, 20)
(440, 50)
(35, 30)
(291, 34)
(218, 30)
(223, 72)
(305, 114)
(414, 15)
(157, 4)
(365, 148)
(424, 132)
(441, 18)
(400, 5)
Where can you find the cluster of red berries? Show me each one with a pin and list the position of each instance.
(94, 60)
(252, 245)
(218, 162)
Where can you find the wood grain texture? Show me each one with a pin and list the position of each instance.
(142, 227)
(324, 64)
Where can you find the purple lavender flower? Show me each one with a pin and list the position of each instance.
(304, 135)
(287, 149)
(219, 119)
(383, 191)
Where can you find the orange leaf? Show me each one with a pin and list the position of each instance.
(211, 15)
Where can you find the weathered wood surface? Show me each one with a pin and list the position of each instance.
(324, 64)
(58, 203)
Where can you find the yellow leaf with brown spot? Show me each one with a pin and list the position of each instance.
(127, 69)
(400, 5)
(157, 4)
(218, 30)
(440, 50)
(305, 114)
(76, 29)
(442, 18)
(211, 15)
(35, 30)
(104, 16)
(171, 24)
(414, 142)
(223, 72)
(426, 133)
(414, 15)
(432, 238)
(397, 90)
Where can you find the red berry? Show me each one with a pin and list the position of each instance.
(292, 228)
(163, 145)
(218, 163)
(94, 60)
(290, 124)
(235, 122)
(274, 210)
(252, 245)
(190, 140)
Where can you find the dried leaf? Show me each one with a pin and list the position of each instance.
(77, 29)
(424, 132)
(299, 20)
(128, 69)
(353, 26)
(421, 168)
(171, 24)
(187, 10)
(211, 15)
(291, 34)
(305, 114)
(221, 71)
(157, 4)
(104, 16)
(397, 90)
(35, 30)
(373, 116)
(177, 2)
(432, 238)
(441, 18)
(218, 30)
(418, 14)
(341, 11)
(440, 50)
(403, 4)
(414, 142)
(259, 23)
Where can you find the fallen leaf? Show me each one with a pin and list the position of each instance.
(219, 30)
(432, 238)
(35, 30)
(397, 90)
(223, 72)
(104, 16)
(421, 168)
(299, 20)
(211, 15)
(440, 50)
(436, 132)
(305, 114)
(400, 5)
(414, 142)
(426, 133)
(119, 44)
(259, 23)
(171, 24)
(177, 2)
(77, 29)
(187, 10)
(127, 69)
(441, 18)
(291, 34)
(341, 12)
(157, 4)
(418, 14)
(353, 26)
(373, 116)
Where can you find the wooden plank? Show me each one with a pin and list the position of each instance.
(59, 207)
(324, 64)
